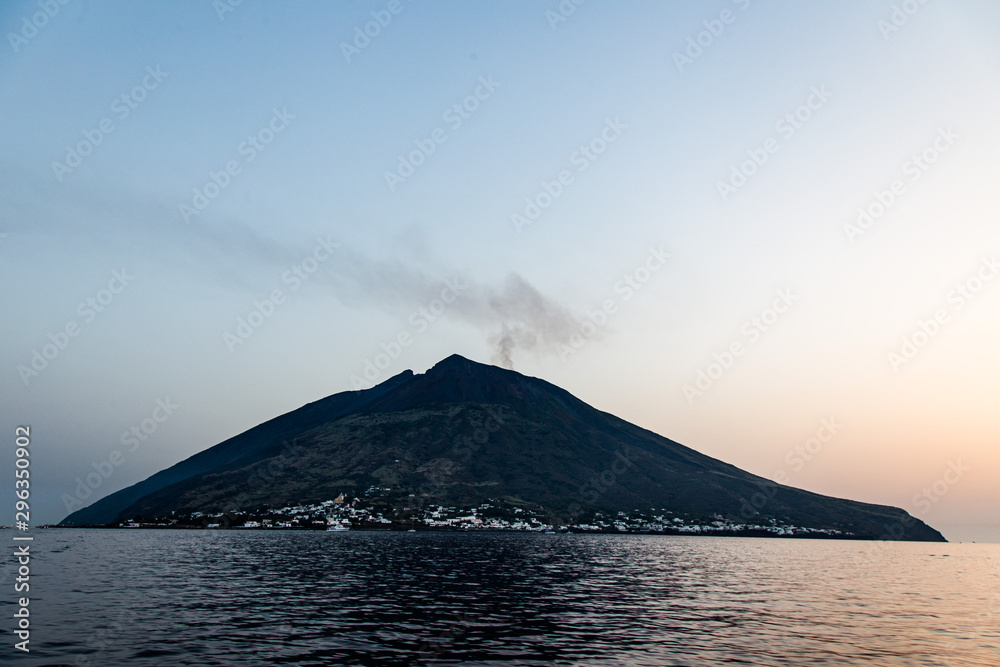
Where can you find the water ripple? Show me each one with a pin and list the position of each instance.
(294, 598)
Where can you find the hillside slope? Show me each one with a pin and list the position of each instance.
(463, 433)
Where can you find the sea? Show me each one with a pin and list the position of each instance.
(244, 597)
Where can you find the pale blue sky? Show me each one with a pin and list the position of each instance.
(554, 89)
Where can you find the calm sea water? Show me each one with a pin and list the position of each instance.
(141, 597)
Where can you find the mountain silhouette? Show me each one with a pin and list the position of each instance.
(465, 433)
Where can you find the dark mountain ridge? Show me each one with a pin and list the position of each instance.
(463, 433)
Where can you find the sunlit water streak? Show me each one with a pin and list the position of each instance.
(145, 597)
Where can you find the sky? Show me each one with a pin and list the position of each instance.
(768, 231)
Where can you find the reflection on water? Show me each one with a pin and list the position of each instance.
(268, 598)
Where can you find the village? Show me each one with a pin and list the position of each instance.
(374, 512)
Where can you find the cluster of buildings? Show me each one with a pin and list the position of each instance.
(374, 510)
(666, 522)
